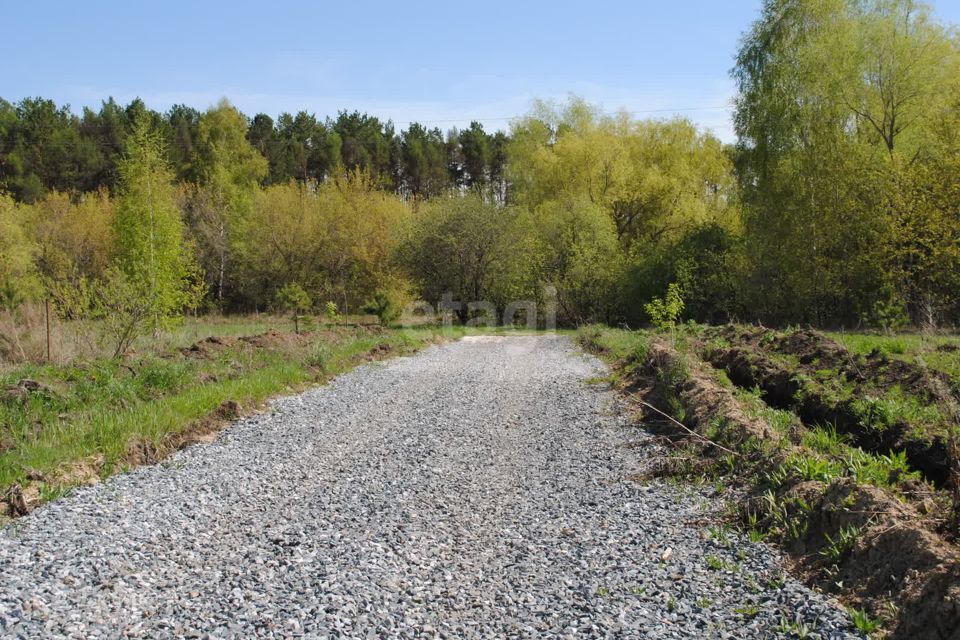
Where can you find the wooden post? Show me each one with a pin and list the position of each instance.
(46, 309)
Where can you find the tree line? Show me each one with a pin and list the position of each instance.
(837, 205)
(45, 147)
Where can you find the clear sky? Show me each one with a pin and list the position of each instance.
(442, 63)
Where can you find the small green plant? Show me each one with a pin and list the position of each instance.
(603, 592)
(330, 312)
(747, 610)
(863, 622)
(777, 581)
(796, 628)
(825, 439)
(293, 299)
(671, 604)
(702, 603)
(874, 413)
(384, 306)
(789, 516)
(320, 357)
(719, 534)
(715, 563)
(837, 549)
(811, 467)
(888, 311)
(664, 312)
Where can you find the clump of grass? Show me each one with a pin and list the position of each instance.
(716, 563)
(812, 467)
(826, 456)
(781, 420)
(838, 548)
(825, 440)
(864, 623)
(893, 406)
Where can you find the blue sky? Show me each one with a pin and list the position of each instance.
(441, 63)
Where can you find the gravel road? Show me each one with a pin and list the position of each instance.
(477, 489)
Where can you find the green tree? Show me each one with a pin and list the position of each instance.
(581, 258)
(230, 170)
(153, 266)
(367, 144)
(655, 179)
(423, 158)
(293, 299)
(477, 153)
(336, 239)
(19, 280)
(665, 312)
(838, 108)
(466, 250)
(387, 305)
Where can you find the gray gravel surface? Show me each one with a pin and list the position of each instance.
(478, 489)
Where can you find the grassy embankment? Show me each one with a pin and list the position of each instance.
(842, 451)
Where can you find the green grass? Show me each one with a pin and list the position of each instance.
(824, 456)
(630, 347)
(863, 622)
(715, 563)
(782, 421)
(910, 347)
(838, 548)
(892, 406)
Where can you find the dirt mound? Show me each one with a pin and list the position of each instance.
(877, 549)
(813, 348)
(24, 389)
(892, 558)
(275, 339)
(271, 340)
(784, 387)
(208, 347)
(813, 352)
(931, 385)
(705, 401)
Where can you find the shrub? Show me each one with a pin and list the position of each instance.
(664, 312)
(293, 299)
(386, 305)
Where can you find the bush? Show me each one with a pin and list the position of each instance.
(664, 312)
(385, 305)
(293, 299)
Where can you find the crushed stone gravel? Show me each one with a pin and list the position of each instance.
(477, 489)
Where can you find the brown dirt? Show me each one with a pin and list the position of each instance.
(19, 500)
(894, 560)
(814, 351)
(208, 347)
(705, 400)
(271, 340)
